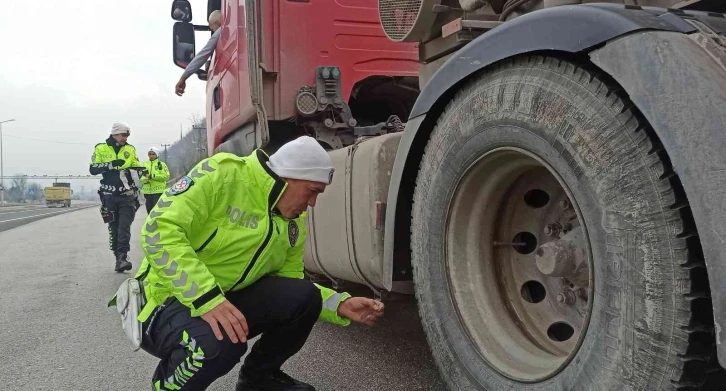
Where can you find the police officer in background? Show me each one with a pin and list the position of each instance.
(153, 178)
(114, 159)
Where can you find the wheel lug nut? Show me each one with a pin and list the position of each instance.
(565, 204)
(567, 297)
(552, 229)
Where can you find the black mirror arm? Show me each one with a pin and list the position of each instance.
(201, 28)
(202, 74)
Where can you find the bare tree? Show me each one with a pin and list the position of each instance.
(17, 191)
(21, 182)
(189, 150)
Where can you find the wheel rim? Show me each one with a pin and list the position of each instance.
(525, 306)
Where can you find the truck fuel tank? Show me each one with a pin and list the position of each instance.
(345, 228)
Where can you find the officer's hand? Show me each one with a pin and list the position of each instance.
(232, 321)
(118, 163)
(180, 86)
(361, 310)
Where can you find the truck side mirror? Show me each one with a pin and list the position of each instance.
(181, 11)
(183, 44)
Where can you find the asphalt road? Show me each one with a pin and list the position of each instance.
(17, 215)
(57, 333)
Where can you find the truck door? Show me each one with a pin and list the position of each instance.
(223, 88)
(234, 91)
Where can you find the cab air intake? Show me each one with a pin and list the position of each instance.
(406, 20)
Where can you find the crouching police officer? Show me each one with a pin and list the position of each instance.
(119, 189)
(224, 263)
(153, 178)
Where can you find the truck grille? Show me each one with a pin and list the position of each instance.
(398, 17)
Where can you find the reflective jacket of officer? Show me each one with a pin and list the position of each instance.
(113, 160)
(158, 174)
(217, 230)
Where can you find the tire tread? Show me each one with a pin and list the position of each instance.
(696, 356)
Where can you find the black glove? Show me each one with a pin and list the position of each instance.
(118, 163)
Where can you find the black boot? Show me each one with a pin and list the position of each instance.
(274, 381)
(122, 263)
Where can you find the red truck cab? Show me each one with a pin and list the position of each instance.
(284, 68)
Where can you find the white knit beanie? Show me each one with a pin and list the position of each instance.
(303, 158)
(119, 127)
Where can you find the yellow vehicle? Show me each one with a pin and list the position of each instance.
(59, 194)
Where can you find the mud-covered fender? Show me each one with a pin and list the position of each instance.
(679, 84)
(570, 29)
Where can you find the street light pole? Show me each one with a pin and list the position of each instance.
(2, 166)
(166, 155)
(200, 148)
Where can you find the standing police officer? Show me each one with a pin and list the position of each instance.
(154, 178)
(224, 263)
(119, 189)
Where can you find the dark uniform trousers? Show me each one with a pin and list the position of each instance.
(151, 200)
(124, 209)
(283, 310)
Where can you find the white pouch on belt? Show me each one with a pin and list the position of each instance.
(129, 301)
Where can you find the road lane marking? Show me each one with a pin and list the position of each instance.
(3, 211)
(40, 215)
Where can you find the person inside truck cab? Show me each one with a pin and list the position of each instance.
(224, 263)
(215, 22)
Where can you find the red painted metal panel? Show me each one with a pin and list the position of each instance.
(295, 37)
(343, 33)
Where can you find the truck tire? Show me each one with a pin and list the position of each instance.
(552, 244)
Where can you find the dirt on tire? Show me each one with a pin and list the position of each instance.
(651, 325)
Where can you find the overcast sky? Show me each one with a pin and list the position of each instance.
(70, 68)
